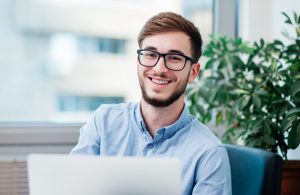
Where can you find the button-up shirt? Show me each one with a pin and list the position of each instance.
(119, 130)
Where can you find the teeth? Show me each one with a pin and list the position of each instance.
(160, 82)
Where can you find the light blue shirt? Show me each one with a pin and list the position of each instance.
(119, 130)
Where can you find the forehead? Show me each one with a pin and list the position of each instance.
(167, 41)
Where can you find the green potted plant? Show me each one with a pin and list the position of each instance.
(253, 90)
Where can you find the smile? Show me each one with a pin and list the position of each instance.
(160, 81)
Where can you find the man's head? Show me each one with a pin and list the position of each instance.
(170, 47)
(169, 21)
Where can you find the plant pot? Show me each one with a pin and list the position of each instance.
(291, 178)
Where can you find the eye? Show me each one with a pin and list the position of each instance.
(149, 54)
(175, 58)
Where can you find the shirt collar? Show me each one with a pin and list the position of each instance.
(167, 131)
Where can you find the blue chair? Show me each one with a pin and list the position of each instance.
(254, 171)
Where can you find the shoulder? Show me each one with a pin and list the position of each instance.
(202, 136)
(206, 145)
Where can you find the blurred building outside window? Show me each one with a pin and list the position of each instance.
(61, 59)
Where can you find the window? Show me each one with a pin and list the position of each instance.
(53, 48)
(101, 45)
(201, 13)
(84, 103)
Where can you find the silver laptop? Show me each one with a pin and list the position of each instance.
(51, 174)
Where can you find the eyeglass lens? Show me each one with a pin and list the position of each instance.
(172, 61)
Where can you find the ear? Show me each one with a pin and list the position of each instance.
(194, 72)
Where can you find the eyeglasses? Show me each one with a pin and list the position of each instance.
(174, 62)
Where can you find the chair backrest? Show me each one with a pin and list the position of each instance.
(254, 171)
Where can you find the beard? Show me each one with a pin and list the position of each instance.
(163, 102)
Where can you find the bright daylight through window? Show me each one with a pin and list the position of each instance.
(61, 59)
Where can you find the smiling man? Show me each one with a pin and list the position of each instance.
(160, 125)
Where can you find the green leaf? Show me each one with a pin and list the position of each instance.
(262, 42)
(277, 101)
(295, 88)
(236, 61)
(278, 42)
(269, 140)
(229, 116)
(283, 109)
(243, 102)
(222, 64)
(210, 63)
(293, 111)
(288, 20)
(256, 45)
(219, 118)
(295, 17)
(286, 124)
(298, 43)
(243, 85)
(239, 132)
(294, 137)
(262, 92)
(258, 124)
(200, 109)
(256, 101)
(240, 91)
(292, 50)
(267, 128)
(238, 41)
(208, 52)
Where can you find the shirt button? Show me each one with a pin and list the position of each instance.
(149, 146)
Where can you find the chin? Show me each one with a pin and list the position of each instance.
(161, 102)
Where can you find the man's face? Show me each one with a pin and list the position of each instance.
(161, 86)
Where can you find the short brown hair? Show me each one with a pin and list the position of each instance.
(169, 21)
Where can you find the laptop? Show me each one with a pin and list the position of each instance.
(54, 174)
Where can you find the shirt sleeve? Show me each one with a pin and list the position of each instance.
(213, 175)
(89, 139)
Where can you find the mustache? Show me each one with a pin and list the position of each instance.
(161, 75)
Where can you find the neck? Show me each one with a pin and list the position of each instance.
(157, 117)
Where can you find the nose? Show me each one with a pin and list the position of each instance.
(160, 66)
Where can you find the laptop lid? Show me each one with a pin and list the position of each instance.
(51, 174)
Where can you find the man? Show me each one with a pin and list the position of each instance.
(160, 125)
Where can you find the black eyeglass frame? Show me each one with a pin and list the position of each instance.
(164, 55)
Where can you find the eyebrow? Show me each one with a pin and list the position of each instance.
(172, 51)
